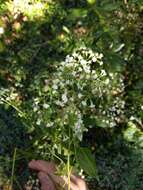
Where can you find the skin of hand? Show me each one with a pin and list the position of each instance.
(50, 181)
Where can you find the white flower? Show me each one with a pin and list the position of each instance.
(100, 56)
(132, 118)
(68, 82)
(80, 69)
(80, 57)
(141, 107)
(96, 54)
(95, 76)
(55, 87)
(50, 124)
(80, 95)
(94, 59)
(13, 96)
(84, 103)
(46, 106)
(71, 99)
(103, 72)
(83, 177)
(92, 105)
(87, 69)
(64, 98)
(69, 59)
(111, 75)
(59, 103)
(56, 81)
(101, 63)
(38, 122)
(1, 30)
(62, 63)
(35, 108)
(75, 54)
(81, 172)
(83, 62)
(73, 73)
(36, 101)
(107, 81)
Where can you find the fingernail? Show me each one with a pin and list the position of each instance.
(32, 163)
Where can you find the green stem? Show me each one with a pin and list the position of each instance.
(13, 167)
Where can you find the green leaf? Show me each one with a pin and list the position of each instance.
(110, 7)
(86, 161)
(116, 62)
(77, 13)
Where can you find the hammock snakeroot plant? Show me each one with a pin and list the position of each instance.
(77, 95)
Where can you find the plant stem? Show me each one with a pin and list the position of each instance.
(69, 171)
(13, 167)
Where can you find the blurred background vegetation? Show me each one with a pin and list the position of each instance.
(34, 35)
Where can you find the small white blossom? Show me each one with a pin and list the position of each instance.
(80, 95)
(38, 122)
(64, 98)
(80, 69)
(100, 56)
(132, 118)
(94, 59)
(111, 75)
(81, 172)
(46, 106)
(73, 73)
(96, 54)
(107, 81)
(103, 72)
(1, 30)
(36, 101)
(80, 57)
(92, 105)
(83, 62)
(50, 124)
(55, 87)
(101, 63)
(84, 103)
(35, 108)
(59, 103)
(69, 59)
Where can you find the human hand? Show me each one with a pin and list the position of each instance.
(50, 181)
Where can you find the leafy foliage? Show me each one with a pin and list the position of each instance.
(67, 67)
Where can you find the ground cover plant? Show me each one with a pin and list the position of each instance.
(71, 88)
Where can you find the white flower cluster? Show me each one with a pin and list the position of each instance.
(80, 87)
(81, 93)
(8, 95)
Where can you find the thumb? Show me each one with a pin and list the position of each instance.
(46, 182)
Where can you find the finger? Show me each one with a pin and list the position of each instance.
(75, 178)
(44, 166)
(79, 182)
(46, 182)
